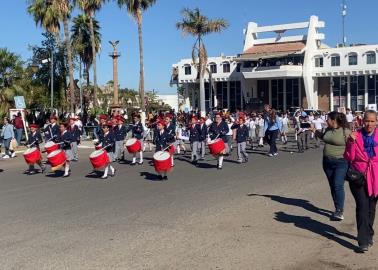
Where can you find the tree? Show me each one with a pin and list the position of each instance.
(48, 14)
(90, 7)
(136, 8)
(81, 40)
(195, 24)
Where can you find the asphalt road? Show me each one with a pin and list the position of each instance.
(271, 213)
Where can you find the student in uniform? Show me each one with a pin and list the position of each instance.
(119, 132)
(34, 140)
(194, 139)
(170, 128)
(219, 129)
(260, 129)
(137, 131)
(162, 140)
(65, 140)
(75, 133)
(285, 128)
(241, 136)
(52, 132)
(203, 136)
(108, 143)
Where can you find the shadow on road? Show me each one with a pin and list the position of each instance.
(305, 204)
(325, 230)
(150, 176)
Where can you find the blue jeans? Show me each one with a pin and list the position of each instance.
(18, 134)
(335, 170)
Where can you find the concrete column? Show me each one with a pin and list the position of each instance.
(284, 94)
(348, 91)
(254, 88)
(186, 96)
(366, 92)
(270, 92)
(215, 95)
(228, 94)
(300, 91)
(331, 94)
(316, 98)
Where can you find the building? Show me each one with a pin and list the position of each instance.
(171, 100)
(286, 71)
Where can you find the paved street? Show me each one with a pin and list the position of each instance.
(272, 213)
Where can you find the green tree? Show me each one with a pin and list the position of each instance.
(135, 8)
(196, 24)
(90, 7)
(81, 40)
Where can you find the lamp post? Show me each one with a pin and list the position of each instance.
(114, 55)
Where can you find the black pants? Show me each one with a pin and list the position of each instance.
(365, 213)
(272, 137)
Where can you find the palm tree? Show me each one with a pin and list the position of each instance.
(48, 14)
(81, 40)
(198, 25)
(90, 7)
(136, 8)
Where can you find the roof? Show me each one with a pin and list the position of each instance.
(274, 49)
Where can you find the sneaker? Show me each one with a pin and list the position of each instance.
(13, 155)
(363, 248)
(275, 154)
(338, 215)
(6, 156)
(270, 155)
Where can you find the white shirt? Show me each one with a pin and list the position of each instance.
(285, 121)
(229, 129)
(349, 117)
(318, 123)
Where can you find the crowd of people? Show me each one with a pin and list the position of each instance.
(350, 146)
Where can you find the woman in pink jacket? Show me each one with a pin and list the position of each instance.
(362, 153)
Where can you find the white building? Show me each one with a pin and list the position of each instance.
(286, 71)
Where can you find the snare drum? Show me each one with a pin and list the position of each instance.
(32, 155)
(216, 147)
(57, 159)
(162, 161)
(99, 159)
(51, 146)
(133, 146)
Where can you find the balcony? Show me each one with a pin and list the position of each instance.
(272, 71)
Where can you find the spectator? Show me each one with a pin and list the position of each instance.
(19, 127)
(7, 134)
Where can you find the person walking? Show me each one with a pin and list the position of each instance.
(273, 127)
(335, 165)
(7, 134)
(19, 127)
(361, 152)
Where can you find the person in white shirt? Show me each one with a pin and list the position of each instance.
(260, 129)
(285, 128)
(229, 122)
(349, 118)
(251, 124)
(318, 124)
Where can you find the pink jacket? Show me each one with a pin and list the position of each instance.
(355, 153)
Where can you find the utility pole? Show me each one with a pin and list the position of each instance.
(343, 15)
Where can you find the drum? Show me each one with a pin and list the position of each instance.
(217, 147)
(99, 159)
(98, 147)
(32, 155)
(51, 146)
(171, 149)
(133, 146)
(57, 159)
(162, 161)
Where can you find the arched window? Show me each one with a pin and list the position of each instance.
(352, 59)
(335, 60)
(226, 67)
(318, 61)
(188, 70)
(213, 68)
(370, 58)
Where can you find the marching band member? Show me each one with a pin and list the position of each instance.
(119, 132)
(241, 136)
(219, 129)
(181, 135)
(203, 136)
(65, 140)
(52, 132)
(162, 141)
(108, 143)
(194, 139)
(137, 130)
(75, 133)
(103, 119)
(34, 140)
(171, 130)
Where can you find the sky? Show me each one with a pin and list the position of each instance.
(164, 45)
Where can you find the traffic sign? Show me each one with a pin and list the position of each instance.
(19, 102)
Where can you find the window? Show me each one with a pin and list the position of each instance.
(352, 59)
(370, 58)
(213, 68)
(188, 70)
(238, 67)
(318, 61)
(335, 60)
(226, 67)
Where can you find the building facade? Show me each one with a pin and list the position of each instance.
(285, 71)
